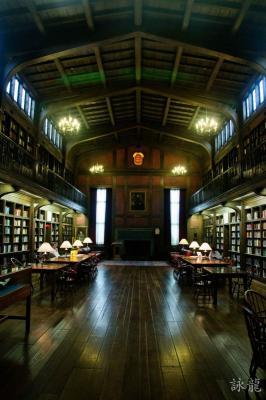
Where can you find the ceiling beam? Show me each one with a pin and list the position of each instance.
(138, 105)
(100, 64)
(43, 54)
(110, 110)
(242, 13)
(166, 111)
(35, 16)
(64, 77)
(181, 134)
(194, 118)
(83, 117)
(214, 73)
(178, 56)
(191, 97)
(187, 15)
(138, 57)
(88, 14)
(138, 12)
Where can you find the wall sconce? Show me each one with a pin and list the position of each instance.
(179, 170)
(157, 231)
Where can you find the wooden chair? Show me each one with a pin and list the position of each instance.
(203, 286)
(256, 302)
(238, 286)
(256, 327)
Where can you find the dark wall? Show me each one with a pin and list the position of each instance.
(151, 179)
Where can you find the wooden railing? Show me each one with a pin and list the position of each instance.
(15, 160)
(254, 165)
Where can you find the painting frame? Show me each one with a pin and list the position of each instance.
(81, 232)
(138, 200)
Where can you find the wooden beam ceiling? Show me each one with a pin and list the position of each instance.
(214, 73)
(178, 56)
(100, 65)
(138, 57)
(35, 16)
(88, 14)
(166, 111)
(110, 110)
(138, 12)
(242, 13)
(138, 105)
(188, 11)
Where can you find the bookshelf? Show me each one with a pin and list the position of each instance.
(15, 226)
(254, 147)
(67, 228)
(220, 233)
(208, 227)
(55, 227)
(12, 129)
(39, 228)
(234, 236)
(255, 227)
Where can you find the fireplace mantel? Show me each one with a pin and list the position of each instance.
(138, 243)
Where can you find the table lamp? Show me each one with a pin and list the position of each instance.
(76, 246)
(66, 245)
(205, 247)
(194, 245)
(86, 241)
(45, 248)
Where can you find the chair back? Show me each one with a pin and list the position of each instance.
(256, 302)
(256, 327)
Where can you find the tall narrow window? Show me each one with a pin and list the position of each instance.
(100, 215)
(174, 215)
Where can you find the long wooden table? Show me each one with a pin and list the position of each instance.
(72, 259)
(198, 262)
(226, 272)
(51, 269)
(18, 288)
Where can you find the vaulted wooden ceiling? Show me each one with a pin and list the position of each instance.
(146, 66)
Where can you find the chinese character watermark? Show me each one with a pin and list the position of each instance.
(253, 385)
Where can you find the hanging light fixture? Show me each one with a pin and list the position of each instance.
(68, 125)
(97, 169)
(206, 126)
(179, 170)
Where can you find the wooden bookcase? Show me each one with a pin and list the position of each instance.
(219, 233)
(208, 229)
(67, 228)
(234, 236)
(39, 228)
(12, 129)
(254, 150)
(15, 229)
(55, 227)
(255, 227)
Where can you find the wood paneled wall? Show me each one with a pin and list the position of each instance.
(153, 177)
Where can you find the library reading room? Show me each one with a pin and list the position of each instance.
(132, 199)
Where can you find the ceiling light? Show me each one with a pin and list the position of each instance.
(206, 126)
(97, 169)
(69, 126)
(179, 170)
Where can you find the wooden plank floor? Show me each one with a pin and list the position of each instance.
(133, 333)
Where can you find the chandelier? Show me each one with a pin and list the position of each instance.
(179, 170)
(206, 126)
(97, 169)
(69, 125)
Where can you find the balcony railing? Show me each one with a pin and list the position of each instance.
(16, 160)
(254, 165)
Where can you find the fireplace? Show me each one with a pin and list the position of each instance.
(138, 243)
(137, 249)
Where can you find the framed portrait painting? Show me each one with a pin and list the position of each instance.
(137, 200)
